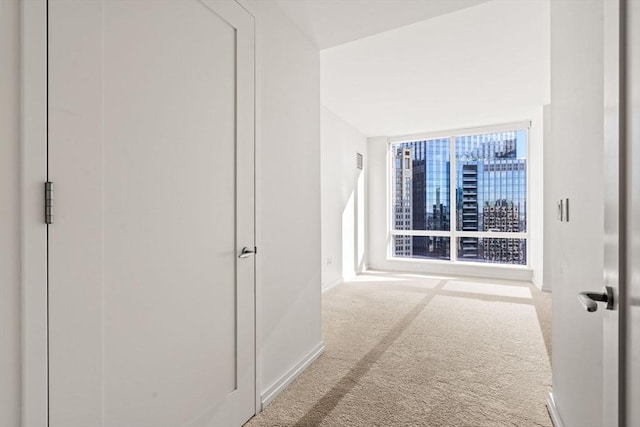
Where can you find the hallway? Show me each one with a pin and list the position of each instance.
(410, 350)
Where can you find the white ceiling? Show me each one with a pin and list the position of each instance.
(333, 22)
(481, 65)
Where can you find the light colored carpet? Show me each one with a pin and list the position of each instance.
(407, 350)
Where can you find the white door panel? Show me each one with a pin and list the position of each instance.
(622, 94)
(151, 151)
(632, 356)
(75, 243)
(612, 199)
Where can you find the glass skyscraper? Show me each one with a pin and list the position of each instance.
(426, 185)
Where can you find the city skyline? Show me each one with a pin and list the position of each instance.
(490, 196)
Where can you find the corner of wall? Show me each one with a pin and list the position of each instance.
(344, 199)
(540, 284)
(288, 114)
(332, 285)
(553, 411)
(536, 197)
(278, 387)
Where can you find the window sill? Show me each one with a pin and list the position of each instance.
(459, 268)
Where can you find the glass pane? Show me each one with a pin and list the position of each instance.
(421, 185)
(492, 250)
(421, 247)
(491, 176)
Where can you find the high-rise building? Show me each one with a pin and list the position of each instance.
(403, 205)
(422, 171)
(420, 246)
(430, 185)
(469, 245)
(504, 210)
(502, 216)
(492, 184)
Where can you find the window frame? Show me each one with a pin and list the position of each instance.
(453, 234)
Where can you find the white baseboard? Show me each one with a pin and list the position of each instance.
(276, 388)
(553, 412)
(332, 285)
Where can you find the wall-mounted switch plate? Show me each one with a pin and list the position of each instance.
(563, 210)
(359, 161)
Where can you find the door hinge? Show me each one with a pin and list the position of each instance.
(48, 202)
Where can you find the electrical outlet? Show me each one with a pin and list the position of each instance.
(329, 260)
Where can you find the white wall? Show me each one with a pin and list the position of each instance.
(550, 214)
(377, 206)
(537, 205)
(343, 200)
(575, 171)
(10, 337)
(289, 187)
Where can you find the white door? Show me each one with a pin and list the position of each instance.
(621, 345)
(151, 148)
(612, 200)
(632, 144)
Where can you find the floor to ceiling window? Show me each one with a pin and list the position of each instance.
(460, 196)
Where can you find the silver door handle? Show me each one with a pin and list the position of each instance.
(246, 252)
(589, 300)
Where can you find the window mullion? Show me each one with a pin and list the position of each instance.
(453, 202)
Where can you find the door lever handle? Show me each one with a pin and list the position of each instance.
(589, 300)
(246, 252)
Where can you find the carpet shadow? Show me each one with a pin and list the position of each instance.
(332, 398)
